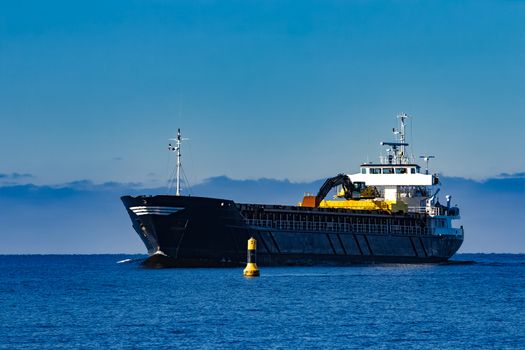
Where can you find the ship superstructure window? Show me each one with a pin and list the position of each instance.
(412, 170)
(388, 170)
(375, 171)
(401, 170)
(363, 170)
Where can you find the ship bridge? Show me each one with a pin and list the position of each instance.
(396, 176)
(393, 175)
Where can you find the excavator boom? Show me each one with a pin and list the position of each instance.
(340, 179)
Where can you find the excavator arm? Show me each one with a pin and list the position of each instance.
(340, 179)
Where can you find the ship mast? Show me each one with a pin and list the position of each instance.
(397, 151)
(178, 143)
(177, 193)
(401, 132)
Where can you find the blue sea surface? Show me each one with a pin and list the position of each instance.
(92, 301)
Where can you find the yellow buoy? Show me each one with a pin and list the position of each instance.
(251, 269)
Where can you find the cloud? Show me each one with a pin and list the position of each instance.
(11, 179)
(85, 217)
(514, 175)
(15, 176)
(270, 191)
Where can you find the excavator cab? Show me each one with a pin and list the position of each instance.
(357, 189)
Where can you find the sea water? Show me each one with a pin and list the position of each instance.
(110, 301)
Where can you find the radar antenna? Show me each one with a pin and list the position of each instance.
(178, 142)
(401, 132)
(426, 159)
(397, 154)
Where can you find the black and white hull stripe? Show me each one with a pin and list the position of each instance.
(151, 210)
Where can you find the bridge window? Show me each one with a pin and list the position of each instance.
(388, 170)
(401, 170)
(375, 171)
(412, 170)
(363, 170)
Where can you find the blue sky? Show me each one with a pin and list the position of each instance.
(90, 91)
(277, 89)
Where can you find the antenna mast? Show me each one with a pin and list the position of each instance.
(397, 151)
(402, 138)
(178, 143)
(426, 159)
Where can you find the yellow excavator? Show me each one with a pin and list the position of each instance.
(354, 196)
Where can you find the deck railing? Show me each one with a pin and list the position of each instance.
(290, 225)
(432, 211)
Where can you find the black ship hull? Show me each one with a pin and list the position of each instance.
(207, 232)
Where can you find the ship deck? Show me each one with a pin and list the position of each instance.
(295, 218)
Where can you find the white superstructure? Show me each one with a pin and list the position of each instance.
(397, 178)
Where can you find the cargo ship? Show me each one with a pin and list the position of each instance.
(388, 212)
